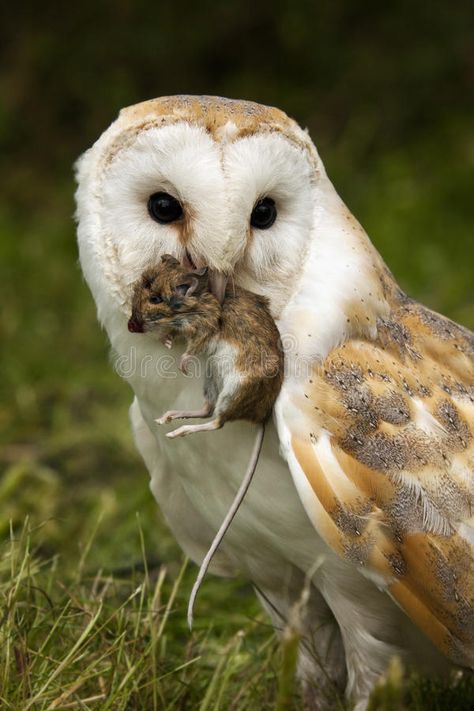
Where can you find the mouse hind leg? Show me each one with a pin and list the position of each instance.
(215, 424)
(210, 397)
(206, 411)
(222, 404)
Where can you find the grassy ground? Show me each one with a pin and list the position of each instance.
(93, 589)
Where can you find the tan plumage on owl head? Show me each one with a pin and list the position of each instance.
(374, 423)
(228, 164)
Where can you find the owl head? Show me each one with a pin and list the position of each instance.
(232, 185)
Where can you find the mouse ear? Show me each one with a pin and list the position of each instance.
(198, 280)
(188, 288)
(169, 260)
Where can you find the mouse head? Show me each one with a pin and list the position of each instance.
(168, 296)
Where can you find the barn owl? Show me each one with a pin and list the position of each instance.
(364, 493)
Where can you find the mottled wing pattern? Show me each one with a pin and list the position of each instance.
(384, 437)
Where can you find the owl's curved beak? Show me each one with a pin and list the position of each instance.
(217, 284)
(217, 280)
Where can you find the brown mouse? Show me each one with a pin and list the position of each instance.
(244, 367)
(244, 357)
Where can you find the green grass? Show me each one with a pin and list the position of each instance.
(74, 636)
(93, 589)
(93, 639)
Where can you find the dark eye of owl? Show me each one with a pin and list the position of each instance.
(155, 299)
(164, 208)
(263, 214)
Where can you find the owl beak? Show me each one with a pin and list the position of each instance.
(217, 280)
(218, 283)
(188, 262)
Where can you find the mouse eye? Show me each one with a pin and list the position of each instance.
(164, 208)
(155, 299)
(264, 214)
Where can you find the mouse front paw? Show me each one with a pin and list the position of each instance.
(167, 340)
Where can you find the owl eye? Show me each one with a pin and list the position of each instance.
(263, 214)
(164, 208)
(155, 299)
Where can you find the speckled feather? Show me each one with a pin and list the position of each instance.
(388, 449)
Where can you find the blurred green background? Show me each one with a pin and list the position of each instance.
(387, 92)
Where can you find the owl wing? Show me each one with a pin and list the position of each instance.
(379, 439)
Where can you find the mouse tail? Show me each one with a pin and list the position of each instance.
(239, 497)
